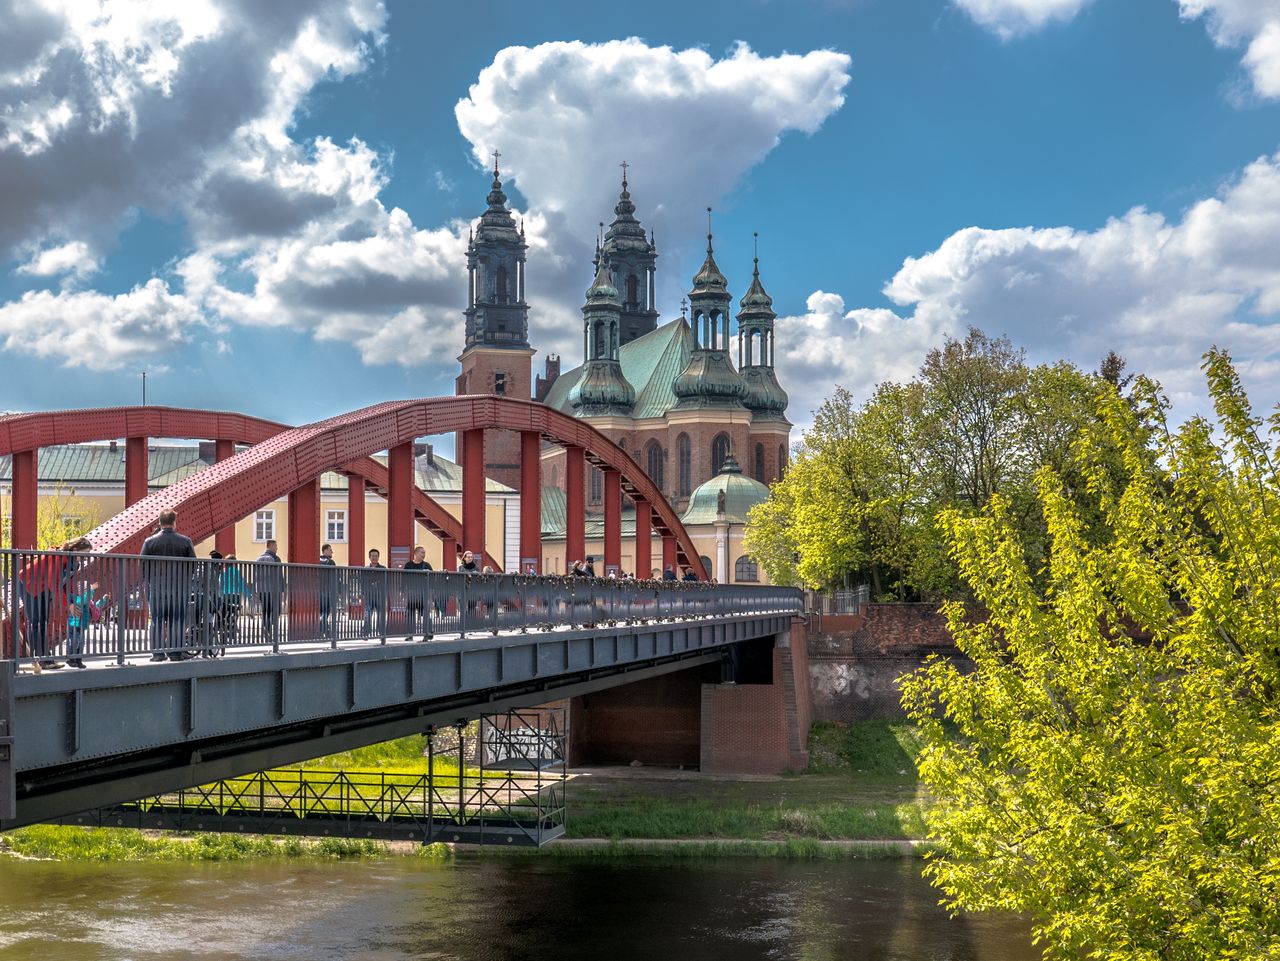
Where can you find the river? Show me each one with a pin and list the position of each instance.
(479, 908)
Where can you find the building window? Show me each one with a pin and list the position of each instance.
(706, 566)
(684, 451)
(501, 292)
(597, 485)
(500, 382)
(633, 290)
(264, 526)
(335, 526)
(719, 451)
(782, 459)
(745, 571)
(760, 463)
(653, 458)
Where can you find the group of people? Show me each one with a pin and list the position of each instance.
(49, 587)
(53, 583)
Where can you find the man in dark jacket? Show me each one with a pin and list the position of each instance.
(328, 586)
(375, 594)
(168, 583)
(269, 580)
(669, 574)
(415, 593)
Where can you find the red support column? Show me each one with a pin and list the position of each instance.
(448, 554)
(530, 501)
(670, 552)
(26, 493)
(224, 541)
(612, 522)
(400, 483)
(304, 524)
(575, 516)
(644, 533)
(473, 492)
(135, 470)
(355, 520)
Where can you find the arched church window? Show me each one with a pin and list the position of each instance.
(684, 451)
(760, 463)
(745, 571)
(500, 293)
(633, 290)
(719, 451)
(653, 461)
(782, 459)
(706, 565)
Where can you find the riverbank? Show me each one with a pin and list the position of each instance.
(860, 798)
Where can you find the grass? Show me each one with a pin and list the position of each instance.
(68, 843)
(861, 787)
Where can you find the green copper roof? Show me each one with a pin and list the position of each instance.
(741, 493)
(650, 364)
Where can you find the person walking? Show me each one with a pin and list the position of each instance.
(168, 583)
(85, 608)
(328, 590)
(415, 593)
(375, 594)
(269, 581)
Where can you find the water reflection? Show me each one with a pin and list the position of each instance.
(490, 909)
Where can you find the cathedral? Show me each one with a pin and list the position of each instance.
(711, 434)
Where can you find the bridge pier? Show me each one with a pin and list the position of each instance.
(644, 536)
(401, 481)
(224, 539)
(530, 501)
(135, 470)
(612, 522)
(575, 517)
(473, 484)
(304, 523)
(26, 493)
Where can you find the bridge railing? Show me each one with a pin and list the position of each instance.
(78, 605)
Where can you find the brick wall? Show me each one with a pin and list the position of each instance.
(855, 662)
(656, 721)
(761, 728)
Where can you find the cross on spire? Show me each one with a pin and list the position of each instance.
(496, 155)
(623, 165)
(708, 230)
(684, 305)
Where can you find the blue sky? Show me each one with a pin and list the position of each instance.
(267, 212)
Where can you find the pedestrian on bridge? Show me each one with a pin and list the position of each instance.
(328, 590)
(415, 593)
(269, 581)
(168, 584)
(375, 594)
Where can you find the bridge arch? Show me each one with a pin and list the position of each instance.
(286, 460)
(22, 434)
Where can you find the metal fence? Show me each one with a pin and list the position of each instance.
(79, 605)
(844, 601)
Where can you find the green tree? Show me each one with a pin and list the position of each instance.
(1112, 766)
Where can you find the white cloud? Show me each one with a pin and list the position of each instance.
(1015, 18)
(97, 331)
(73, 259)
(1158, 292)
(565, 114)
(1253, 24)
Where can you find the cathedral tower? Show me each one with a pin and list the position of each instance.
(496, 356)
(631, 259)
(602, 389)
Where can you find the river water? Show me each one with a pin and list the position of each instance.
(490, 909)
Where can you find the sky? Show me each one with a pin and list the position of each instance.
(265, 206)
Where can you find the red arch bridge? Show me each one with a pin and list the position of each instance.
(306, 660)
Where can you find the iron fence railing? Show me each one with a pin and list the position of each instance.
(843, 601)
(79, 605)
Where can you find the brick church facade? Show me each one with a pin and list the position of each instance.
(669, 393)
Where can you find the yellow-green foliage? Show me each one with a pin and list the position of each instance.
(1112, 767)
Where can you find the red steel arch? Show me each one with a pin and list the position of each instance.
(24, 432)
(234, 488)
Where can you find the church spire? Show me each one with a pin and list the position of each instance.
(765, 397)
(709, 379)
(632, 260)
